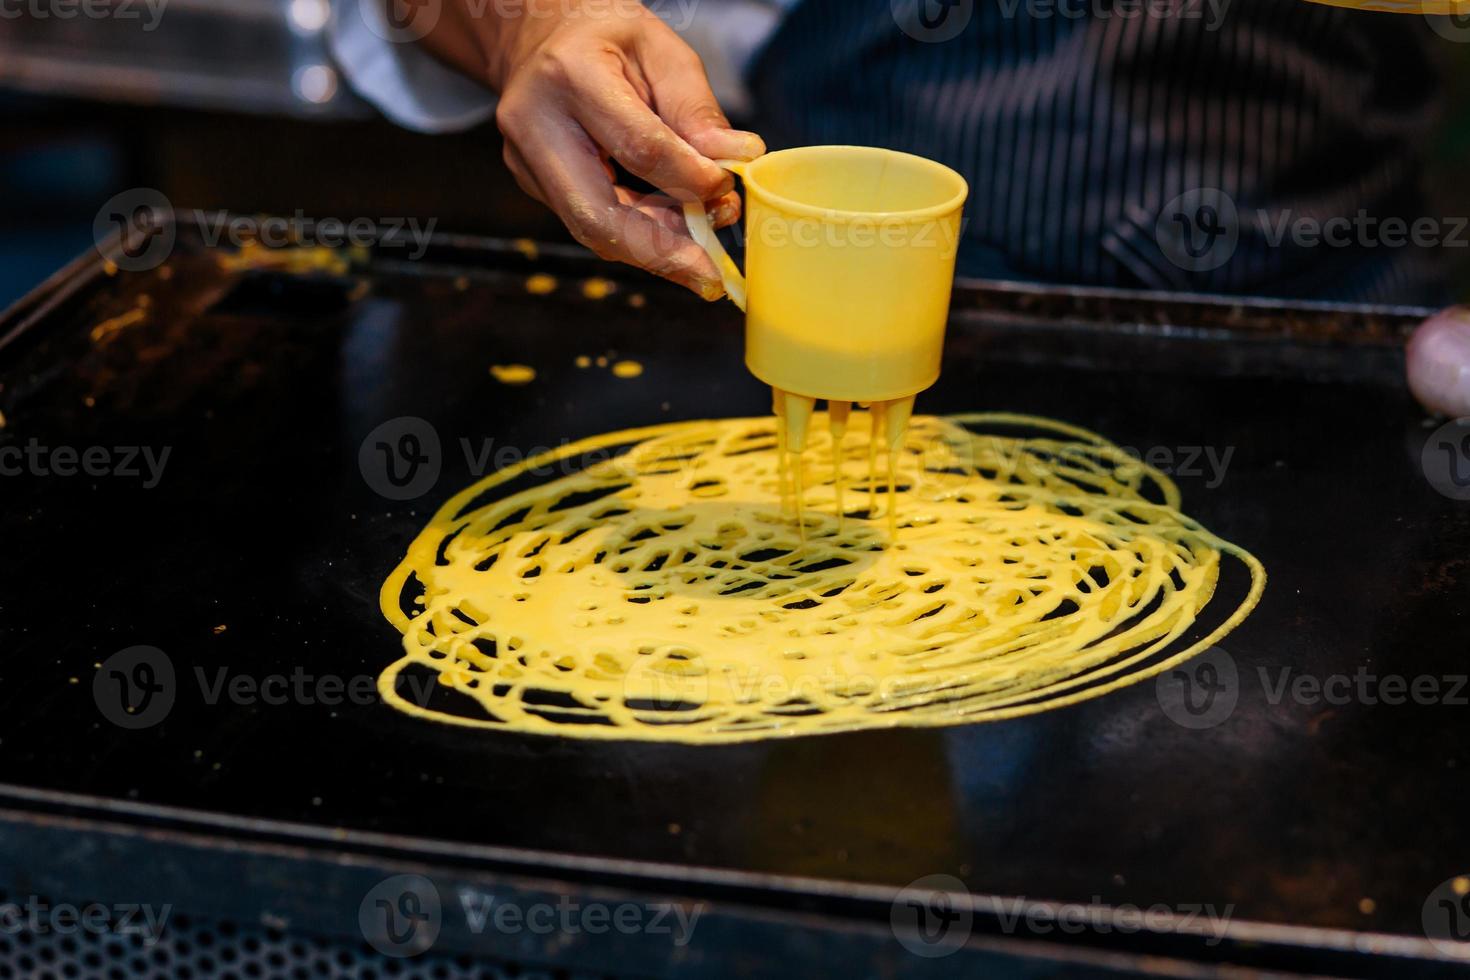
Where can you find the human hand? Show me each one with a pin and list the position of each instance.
(1438, 363)
(584, 83)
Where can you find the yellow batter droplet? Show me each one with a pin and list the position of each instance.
(513, 374)
(637, 301)
(598, 288)
(1037, 565)
(105, 330)
(627, 369)
(527, 248)
(540, 284)
(299, 259)
(583, 361)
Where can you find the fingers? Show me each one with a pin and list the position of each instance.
(635, 93)
(723, 212)
(611, 221)
(1438, 363)
(516, 163)
(658, 207)
(685, 101)
(633, 134)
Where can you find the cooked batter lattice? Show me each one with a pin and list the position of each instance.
(664, 592)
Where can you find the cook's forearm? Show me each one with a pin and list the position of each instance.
(452, 33)
(480, 38)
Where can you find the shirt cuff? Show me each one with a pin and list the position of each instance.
(385, 66)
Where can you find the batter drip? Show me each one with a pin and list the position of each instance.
(667, 593)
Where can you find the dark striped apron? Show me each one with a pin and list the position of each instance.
(1109, 147)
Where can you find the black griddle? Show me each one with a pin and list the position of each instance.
(262, 548)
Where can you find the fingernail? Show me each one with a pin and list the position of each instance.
(724, 213)
(711, 289)
(751, 145)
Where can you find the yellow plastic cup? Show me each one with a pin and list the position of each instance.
(850, 254)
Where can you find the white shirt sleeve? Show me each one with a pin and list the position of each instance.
(383, 64)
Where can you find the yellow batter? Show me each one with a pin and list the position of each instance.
(598, 288)
(666, 593)
(513, 374)
(627, 369)
(540, 284)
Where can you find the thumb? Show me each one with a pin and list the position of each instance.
(705, 128)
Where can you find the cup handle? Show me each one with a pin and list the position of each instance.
(702, 230)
